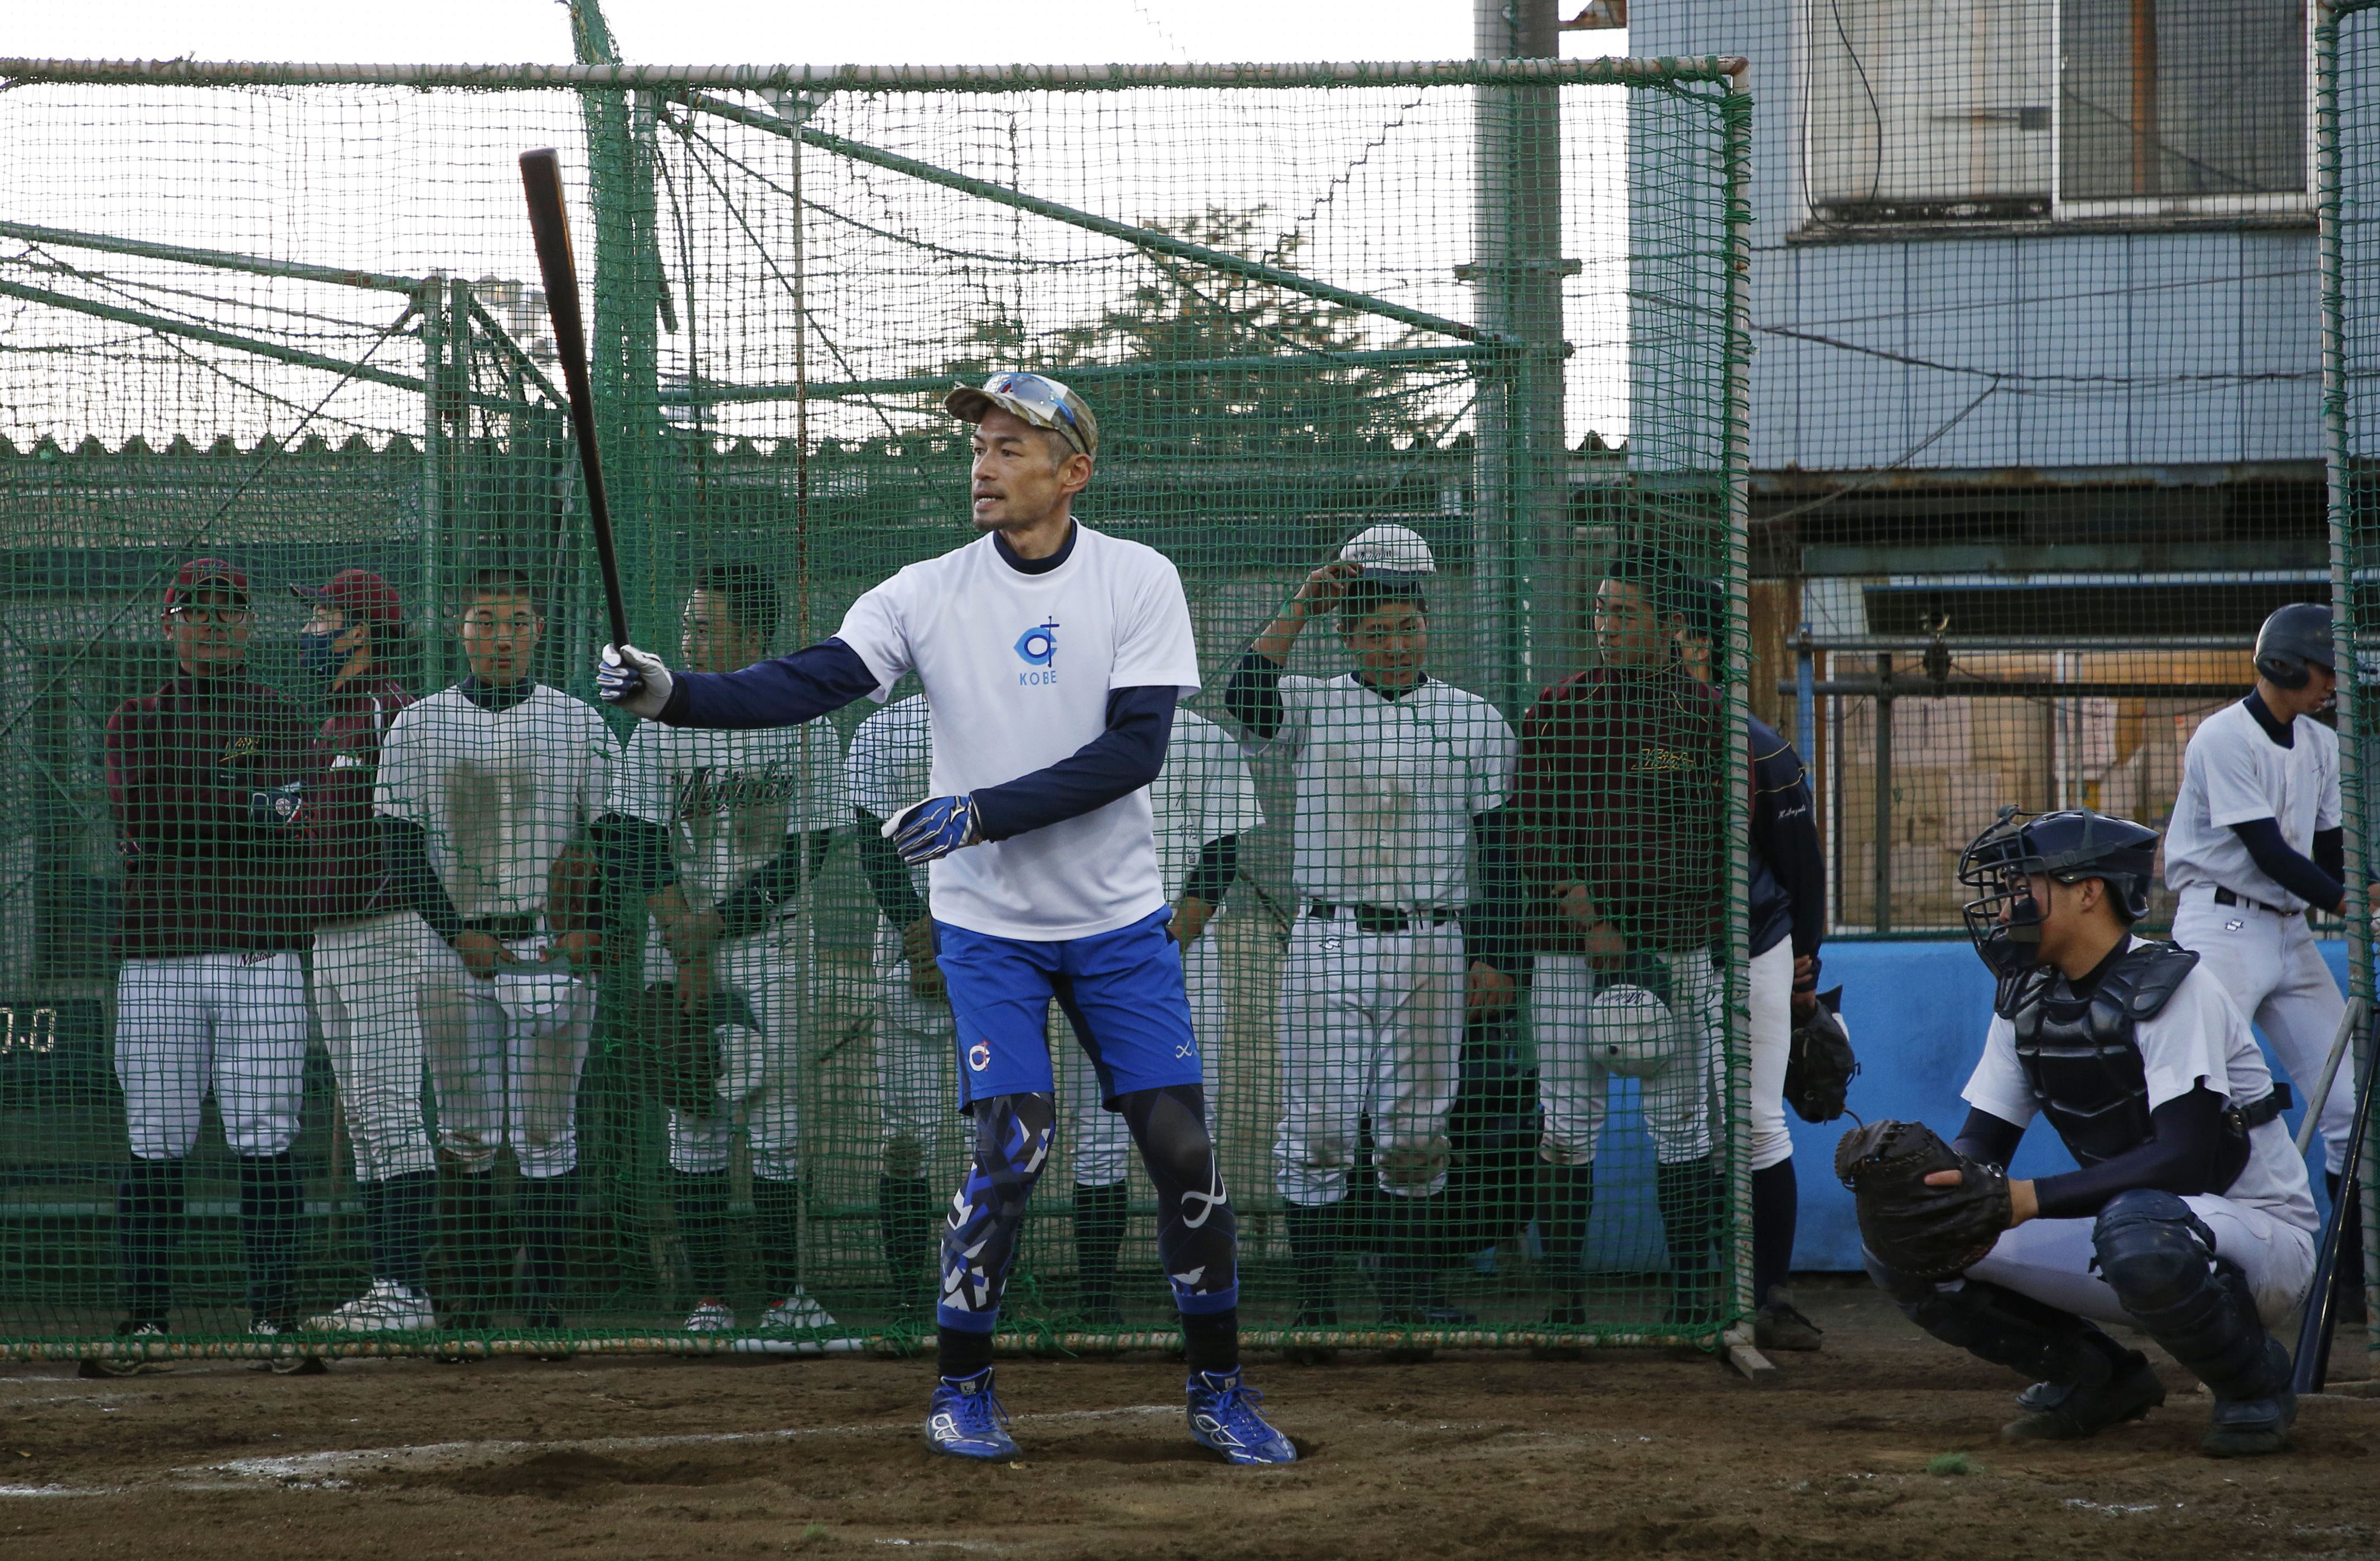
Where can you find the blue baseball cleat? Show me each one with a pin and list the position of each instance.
(1223, 1417)
(967, 1422)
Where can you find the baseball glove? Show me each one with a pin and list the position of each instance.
(1922, 1232)
(1818, 1062)
(680, 1050)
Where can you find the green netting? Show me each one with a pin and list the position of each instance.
(2348, 181)
(291, 326)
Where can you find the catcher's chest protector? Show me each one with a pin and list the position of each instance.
(2080, 1055)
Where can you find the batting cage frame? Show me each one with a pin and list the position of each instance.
(787, 267)
(2347, 130)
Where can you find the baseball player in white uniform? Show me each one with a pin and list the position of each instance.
(1396, 774)
(890, 766)
(482, 786)
(742, 819)
(2189, 1216)
(2254, 842)
(1053, 657)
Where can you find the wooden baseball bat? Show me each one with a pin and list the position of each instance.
(541, 181)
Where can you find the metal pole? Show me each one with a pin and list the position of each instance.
(1805, 702)
(1884, 697)
(433, 336)
(214, 259)
(1519, 470)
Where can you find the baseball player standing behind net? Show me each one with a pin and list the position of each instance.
(1397, 774)
(2255, 841)
(1053, 657)
(208, 778)
(481, 788)
(2190, 1217)
(744, 819)
(369, 951)
(1621, 813)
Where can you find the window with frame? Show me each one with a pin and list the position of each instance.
(1927, 111)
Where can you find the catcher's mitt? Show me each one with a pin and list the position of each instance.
(1818, 1062)
(680, 1050)
(1922, 1232)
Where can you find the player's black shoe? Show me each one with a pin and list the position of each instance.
(127, 1365)
(2072, 1412)
(2253, 1427)
(283, 1365)
(1778, 1326)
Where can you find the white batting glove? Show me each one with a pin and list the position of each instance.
(634, 680)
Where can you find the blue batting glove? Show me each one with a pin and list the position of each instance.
(634, 680)
(933, 829)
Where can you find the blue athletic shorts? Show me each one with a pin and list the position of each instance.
(1122, 990)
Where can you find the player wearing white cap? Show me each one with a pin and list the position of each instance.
(1397, 776)
(1053, 657)
(481, 788)
(2255, 841)
(743, 821)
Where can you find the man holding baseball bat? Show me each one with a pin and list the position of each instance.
(1051, 657)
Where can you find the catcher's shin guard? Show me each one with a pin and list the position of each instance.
(271, 1203)
(2159, 1259)
(2090, 1382)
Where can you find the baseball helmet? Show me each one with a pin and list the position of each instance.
(2004, 920)
(1389, 551)
(2292, 639)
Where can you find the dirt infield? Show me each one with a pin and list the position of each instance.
(1641, 1453)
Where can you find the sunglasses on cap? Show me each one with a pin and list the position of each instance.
(1035, 397)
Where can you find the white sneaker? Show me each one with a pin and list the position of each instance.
(711, 1315)
(285, 1365)
(386, 1308)
(798, 1313)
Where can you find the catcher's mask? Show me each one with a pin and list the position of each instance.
(2004, 920)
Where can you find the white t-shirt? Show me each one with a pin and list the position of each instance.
(1204, 793)
(1386, 788)
(500, 793)
(1017, 669)
(729, 799)
(2197, 1037)
(890, 764)
(2232, 773)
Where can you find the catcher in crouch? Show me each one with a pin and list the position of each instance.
(2190, 1217)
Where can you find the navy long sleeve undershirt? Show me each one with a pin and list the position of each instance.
(1115, 763)
(1217, 864)
(887, 875)
(2285, 867)
(404, 856)
(2181, 1158)
(783, 691)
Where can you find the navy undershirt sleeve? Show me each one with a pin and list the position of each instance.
(1252, 696)
(1990, 1139)
(2285, 867)
(2330, 852)
(1785, 831)
(750, 904)
(634, 851)
(404, 856)
(1492, 922)
(887, 875)
(1115, 763)
(785, 691)
(1219, 864)
(2182, 1159)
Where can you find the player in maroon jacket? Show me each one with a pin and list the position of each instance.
(367, 949)
(209, 776)
(1620, 811)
